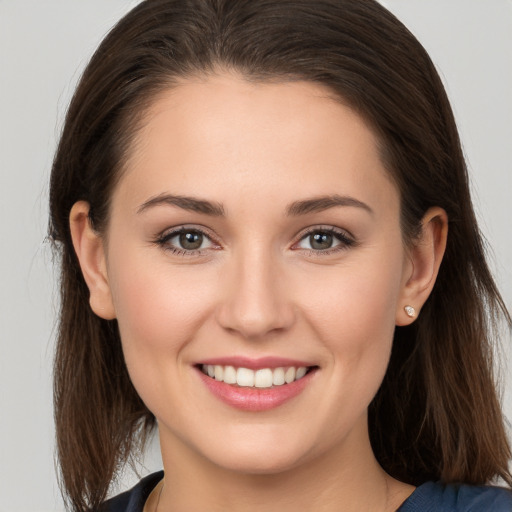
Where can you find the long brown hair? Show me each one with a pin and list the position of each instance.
(436, 415)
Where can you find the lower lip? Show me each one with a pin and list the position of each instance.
(255, 399)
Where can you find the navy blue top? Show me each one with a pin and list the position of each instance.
(429, 497)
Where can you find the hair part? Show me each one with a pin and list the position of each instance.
(436, 415)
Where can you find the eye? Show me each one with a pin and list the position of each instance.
(324, 240)
(190, 240)
(186, 241)
(320, 241)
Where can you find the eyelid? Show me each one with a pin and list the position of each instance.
(345, 238)
(167, 234)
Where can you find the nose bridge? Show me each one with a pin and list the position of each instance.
(255, 303)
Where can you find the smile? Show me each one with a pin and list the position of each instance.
(255, 385)
(261, 378)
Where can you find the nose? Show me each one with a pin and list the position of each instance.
(254, 301)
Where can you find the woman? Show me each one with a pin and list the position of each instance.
(268, 248)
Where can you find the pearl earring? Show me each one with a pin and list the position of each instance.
(410, 311)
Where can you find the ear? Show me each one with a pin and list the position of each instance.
(421, 269)
(90, 251)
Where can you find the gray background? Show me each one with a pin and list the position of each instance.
(43, 48)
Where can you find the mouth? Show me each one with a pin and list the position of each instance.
(265, 385)
(261, 378)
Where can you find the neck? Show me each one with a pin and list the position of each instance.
(349, 478)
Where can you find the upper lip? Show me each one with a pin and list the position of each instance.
(255, 364)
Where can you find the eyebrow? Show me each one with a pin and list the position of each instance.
(186, 203)
(318, 204)
(297, 208)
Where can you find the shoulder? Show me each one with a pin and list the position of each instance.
(438, 497)
(134, 499)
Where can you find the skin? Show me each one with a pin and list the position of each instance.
(257, 288)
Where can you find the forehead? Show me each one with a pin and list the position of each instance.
(223, 133)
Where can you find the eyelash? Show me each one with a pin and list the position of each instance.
(346, 241)
(164, 239)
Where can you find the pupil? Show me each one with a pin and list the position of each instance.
(191, 240)
(321, 241)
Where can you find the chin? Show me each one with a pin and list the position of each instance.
(257, 454)
(267, 462)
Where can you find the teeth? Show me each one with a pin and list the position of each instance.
(219, 372)
(229, 375)
(263, 378)
(300, 372)
(289, 375)
(278, 377)
(245, 377)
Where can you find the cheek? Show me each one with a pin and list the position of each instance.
(356, 326)
(157, 310)
(352, 310)
(158, 313)
(355, 298)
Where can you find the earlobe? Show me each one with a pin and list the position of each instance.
(424, 261)
(90, 251)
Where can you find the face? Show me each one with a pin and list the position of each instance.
(255, 234)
